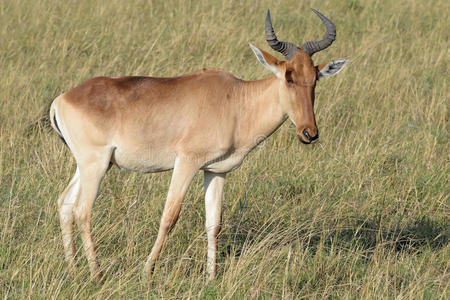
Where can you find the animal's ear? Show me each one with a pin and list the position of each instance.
(331, 68)
(267, 60)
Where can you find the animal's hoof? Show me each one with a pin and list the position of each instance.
(148, 269)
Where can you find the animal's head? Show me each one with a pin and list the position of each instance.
(298, 75)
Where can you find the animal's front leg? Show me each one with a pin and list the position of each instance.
(214, 184)
(183, 173)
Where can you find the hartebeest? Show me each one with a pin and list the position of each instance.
(208, 120)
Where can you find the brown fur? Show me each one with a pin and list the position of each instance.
(206, 120)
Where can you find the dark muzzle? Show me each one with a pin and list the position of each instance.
(310, 138)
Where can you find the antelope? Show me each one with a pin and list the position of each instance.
(207, 120)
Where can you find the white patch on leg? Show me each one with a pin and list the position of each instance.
(66, 206)
(75, 191)
(213, 197)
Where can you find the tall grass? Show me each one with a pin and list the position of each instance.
(363, 214)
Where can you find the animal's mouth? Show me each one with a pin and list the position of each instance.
(302, 140)
(309, 139)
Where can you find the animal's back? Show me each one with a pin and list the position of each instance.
(99, 92)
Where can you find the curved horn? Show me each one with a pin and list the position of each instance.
(312, 47)
(285, 48)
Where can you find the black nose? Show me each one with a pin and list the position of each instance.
(306, 133)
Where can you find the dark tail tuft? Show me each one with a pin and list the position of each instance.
(58, 130)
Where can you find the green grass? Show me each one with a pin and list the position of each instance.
(363, 214)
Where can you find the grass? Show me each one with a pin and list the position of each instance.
(364, 214)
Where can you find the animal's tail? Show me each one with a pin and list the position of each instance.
(54, 122)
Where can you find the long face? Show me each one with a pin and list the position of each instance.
(298, 75)
(298, 95)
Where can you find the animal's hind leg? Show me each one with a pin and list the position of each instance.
(65, 208)
(92, 169)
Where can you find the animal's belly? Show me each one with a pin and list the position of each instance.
(150, 159)
(143, 160)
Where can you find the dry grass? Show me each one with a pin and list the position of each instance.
(364, 214)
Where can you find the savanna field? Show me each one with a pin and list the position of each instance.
(362, 214)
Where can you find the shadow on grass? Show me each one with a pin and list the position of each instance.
(366, 235)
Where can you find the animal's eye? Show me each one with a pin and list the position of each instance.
(288, 77)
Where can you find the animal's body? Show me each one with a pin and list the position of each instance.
(176, 110)
(208, 120)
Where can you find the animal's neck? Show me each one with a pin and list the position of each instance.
(259, 111)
